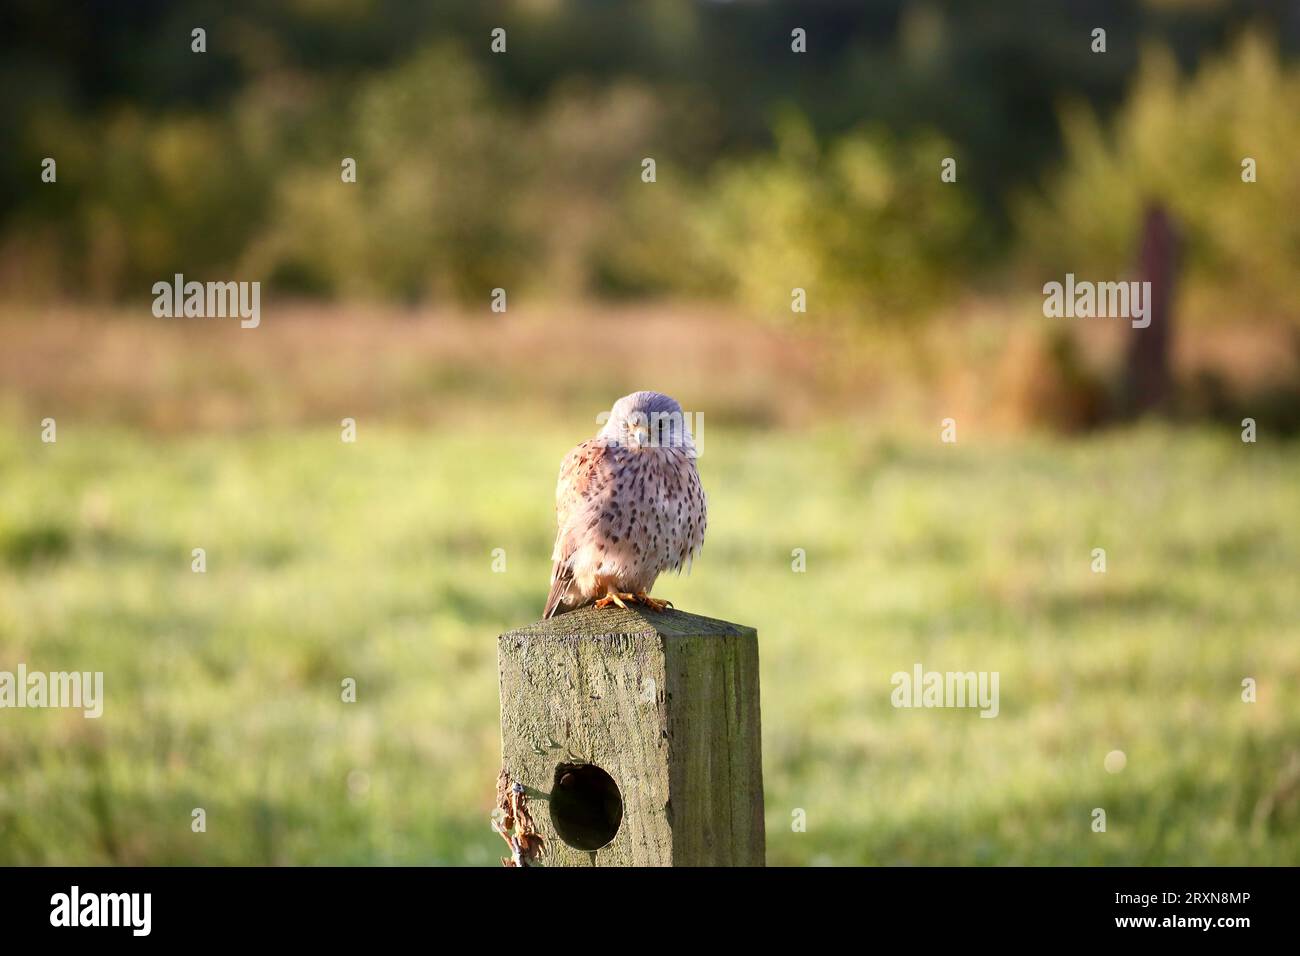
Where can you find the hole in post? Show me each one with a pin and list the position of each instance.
(586, 807)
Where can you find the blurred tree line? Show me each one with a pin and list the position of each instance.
(523, 170)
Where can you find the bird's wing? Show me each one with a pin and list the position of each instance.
(585, 472)
(699, 508)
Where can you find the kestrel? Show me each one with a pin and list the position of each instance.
(629, 506)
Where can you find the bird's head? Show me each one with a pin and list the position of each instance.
(647, 420)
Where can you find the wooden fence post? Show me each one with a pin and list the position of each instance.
(636, 737)
(1148, 378)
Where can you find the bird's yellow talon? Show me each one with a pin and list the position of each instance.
(640, 597)
(655, 604)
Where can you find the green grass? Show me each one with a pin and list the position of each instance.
(373, 561)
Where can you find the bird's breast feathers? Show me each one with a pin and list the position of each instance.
(628, 512)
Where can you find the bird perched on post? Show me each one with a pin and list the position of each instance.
(629, 506)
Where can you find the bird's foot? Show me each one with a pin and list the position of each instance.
(616, 597)
(640, 597)
(653, 603)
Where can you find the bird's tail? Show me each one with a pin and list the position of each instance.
(561, 579)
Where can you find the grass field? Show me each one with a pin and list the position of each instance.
(373, 560)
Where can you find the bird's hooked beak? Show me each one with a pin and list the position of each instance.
(638, 433)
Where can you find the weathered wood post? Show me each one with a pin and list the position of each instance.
(636, 736)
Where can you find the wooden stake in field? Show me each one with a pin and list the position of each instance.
(634, 735)
(1148, 379)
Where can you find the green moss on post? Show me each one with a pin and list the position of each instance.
(666, 704)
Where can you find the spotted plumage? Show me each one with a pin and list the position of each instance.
(629, 506)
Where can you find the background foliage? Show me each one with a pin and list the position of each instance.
(522, 171)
